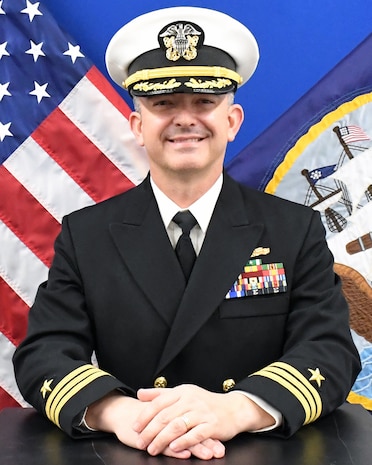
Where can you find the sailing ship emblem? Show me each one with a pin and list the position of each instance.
(353, 162)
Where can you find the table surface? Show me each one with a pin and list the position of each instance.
(343, 438)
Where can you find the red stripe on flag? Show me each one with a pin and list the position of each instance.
(6, 400)
(13, 315)
(99, 81)
(27, 218)
(80, 158)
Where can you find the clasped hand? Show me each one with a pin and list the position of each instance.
(179, 422)
(186, 420)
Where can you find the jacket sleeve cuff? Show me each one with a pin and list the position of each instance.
(278, 417)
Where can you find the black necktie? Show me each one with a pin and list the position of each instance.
(184, 248)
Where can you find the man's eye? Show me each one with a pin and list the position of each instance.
(160, 103)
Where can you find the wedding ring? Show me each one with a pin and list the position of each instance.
(187, 421)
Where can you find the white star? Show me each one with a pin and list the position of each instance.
(4, 131)
(3, 50)
(40, 91)
(2, 12)
(35, 50)
(4, 90)
(32, 10)
(74, 52)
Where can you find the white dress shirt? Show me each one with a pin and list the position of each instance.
(202, 210)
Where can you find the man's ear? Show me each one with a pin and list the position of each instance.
(135, 124)
(235, 120)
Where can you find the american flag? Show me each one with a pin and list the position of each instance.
(353, 133)
(65, 143)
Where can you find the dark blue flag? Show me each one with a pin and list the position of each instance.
(319, 153)
(256, 164)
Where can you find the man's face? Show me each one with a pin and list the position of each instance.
(186, 133)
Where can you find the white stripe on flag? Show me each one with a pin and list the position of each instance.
(25, 279)
(8, 382)
(46, 180)
(111, 133)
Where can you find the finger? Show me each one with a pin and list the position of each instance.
(185, 454)
(161, 437)
(186, 420)
(197, 434)
(153, 408)
(146, 395)
(208, 449)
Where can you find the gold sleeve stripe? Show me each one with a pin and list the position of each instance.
(69, 386)
(74, 391)
(305, 382)
(306, 403)
(63, 382)
(298, 385)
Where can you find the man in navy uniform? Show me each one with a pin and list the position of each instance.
(244, 331)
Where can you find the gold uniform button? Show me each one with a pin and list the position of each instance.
(160, 382)
(228, 384)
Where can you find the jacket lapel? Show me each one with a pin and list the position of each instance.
(230, 240)
(146, 250)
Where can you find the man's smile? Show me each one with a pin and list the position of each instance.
(185, 140)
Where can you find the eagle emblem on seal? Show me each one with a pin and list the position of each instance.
(180, 40)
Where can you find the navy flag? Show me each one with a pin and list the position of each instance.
(319, 153)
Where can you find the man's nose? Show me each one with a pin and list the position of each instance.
(184, 116)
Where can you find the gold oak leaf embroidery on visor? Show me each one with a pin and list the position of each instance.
(154, 86)
(219, 83)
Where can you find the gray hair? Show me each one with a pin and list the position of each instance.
(136, 104)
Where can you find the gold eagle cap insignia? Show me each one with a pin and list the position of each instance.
(180, 40)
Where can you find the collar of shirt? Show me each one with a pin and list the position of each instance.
(202, 210)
